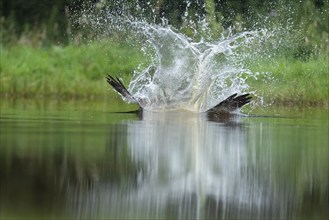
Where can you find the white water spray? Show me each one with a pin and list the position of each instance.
(187, 75)
(184, 73)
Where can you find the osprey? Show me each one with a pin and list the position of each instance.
(229, 105)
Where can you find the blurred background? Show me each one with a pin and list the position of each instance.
(48, 51)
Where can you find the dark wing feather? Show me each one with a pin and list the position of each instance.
(120, 88)
(232, 103)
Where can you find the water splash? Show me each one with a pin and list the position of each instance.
(186, 72)
(193, 76)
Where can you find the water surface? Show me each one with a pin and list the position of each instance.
(79, 160)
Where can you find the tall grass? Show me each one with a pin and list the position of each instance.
(79, 72)
(293, 81)
(71, 71)
(33, 65)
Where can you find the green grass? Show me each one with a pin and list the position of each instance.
(79, 72)
(72, 71)
(293, 82)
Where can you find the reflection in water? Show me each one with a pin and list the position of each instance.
(190, 167)
(188, 162)
(174, 165)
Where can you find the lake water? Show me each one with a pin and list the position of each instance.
(79, 160)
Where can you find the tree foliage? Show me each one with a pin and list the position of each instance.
(51, 18)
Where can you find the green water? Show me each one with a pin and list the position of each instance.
(79, 160)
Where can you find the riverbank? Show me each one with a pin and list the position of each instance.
(78, 72)
(64, 72)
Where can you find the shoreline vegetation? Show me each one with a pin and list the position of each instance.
(37, 64)
(64, 72)
(78, 72)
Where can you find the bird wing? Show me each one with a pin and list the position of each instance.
(118, 86)
(232, 103)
